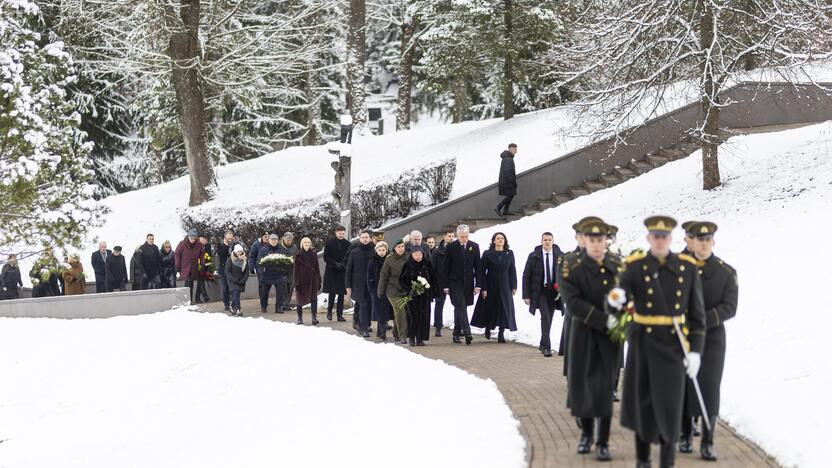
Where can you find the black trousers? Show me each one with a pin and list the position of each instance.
(667, 452)
(461, 324)
(588, 429)
(234, 296)
(438, 307)
(226, 293)
(279, 291)
(503, 205)
(190, 285)
(362, 315)
(100, 284)
(546, 306)
(202, 290)
(331, 301)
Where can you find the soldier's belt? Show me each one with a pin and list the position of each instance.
(658, 320)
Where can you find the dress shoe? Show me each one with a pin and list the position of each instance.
(468, 339)
(585, 444)
(643, 464)
(685, 444)
(412, 341)
(500, 337)
(341, 318)
(365, 334)
(227, 309)
(420, 343)
(487, 334)
(299, 321)
(547, 352)
(499, 213)
(329, 316)
(262, 310)
(456, 339)
(602, 452)
(707, 452)
(438, 332)
(315, 321)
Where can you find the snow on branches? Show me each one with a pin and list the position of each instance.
(45, 191)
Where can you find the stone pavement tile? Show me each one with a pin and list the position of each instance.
(535, 389)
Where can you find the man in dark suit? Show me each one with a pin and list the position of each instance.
(539, 284)
(98, 260)
(462, 279)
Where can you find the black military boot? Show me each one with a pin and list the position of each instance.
(587, 430)
(501, 337)
(456, 339)
(602, 449)
(667, 454)
(686, 443)
(299, 321)
(706, 449)
(412, 341)
(315, 318)
(602, 452)
(642, 453)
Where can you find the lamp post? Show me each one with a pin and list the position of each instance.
(342, 167)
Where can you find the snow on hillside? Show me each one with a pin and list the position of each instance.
(776, 197)
(179, 389)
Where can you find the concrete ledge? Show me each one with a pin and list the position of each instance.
(91, 306)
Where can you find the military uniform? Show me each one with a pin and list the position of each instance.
(662, 291)
(592, 357)
(720, 290)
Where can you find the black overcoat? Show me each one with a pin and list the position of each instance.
(593, 357)
(335, 252)
(356, 274)
(462, 272)
(382, 309)
(534, 273)
(720, 290)
(508, 179)
(418, 309)
(499, 280)
(654, 374)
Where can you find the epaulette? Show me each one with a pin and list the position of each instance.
(728, 267)
(688, 258)
(615, 258)
(569, 263)
(635, 257)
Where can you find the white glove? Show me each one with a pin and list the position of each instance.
(617, 298)
(692, 364)
(612, 322)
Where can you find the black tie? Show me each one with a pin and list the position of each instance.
(548, 278)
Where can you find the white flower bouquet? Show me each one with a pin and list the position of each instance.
(277, 259)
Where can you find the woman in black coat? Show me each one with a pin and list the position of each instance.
(167, 277)
(495, 306)
(418, 309)
(10, 279)
(382, 310)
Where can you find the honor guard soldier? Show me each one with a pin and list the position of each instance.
(593, 356)
(720, 290)
(666, 294)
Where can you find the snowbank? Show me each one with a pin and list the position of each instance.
(776, 197)
(179, 389)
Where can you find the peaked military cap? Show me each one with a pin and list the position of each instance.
(660, 224)
(577, 226)
(701, 229)
(594, 228)
(685, 226)
(612, 230)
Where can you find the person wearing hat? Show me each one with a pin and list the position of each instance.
(593, 356)
(115, 271)
(272, 275)
(539, 293)
(389, 286)
(665, 292)
(235, 272)
(688, 238)
(186, 259)
(720, 290)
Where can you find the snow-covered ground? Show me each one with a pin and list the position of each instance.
(776, 198)
(179, 388)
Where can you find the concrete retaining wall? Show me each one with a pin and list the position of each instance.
(91, 306)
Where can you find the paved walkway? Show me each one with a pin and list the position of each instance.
(535, 389)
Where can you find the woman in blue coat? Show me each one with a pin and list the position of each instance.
(495, 306)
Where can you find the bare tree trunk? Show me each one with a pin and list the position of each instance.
(313, 108)
(356, 57)
(404, 100)
(749, 61)
(508, 70)
(460, 93)
(184, 53)
(710, 102)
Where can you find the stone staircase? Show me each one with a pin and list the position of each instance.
(618, 175)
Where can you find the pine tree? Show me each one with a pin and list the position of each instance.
(46, 195)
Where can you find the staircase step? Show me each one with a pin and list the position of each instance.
(593, 186)
(640, 167)
(686, 148)
(577, 191)
(530, 210)
(609, 180)
(561, 198)
(546, 204)
(624, 173)
(673, 154)
(656, 160)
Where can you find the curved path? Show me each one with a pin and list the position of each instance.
(535, 390)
